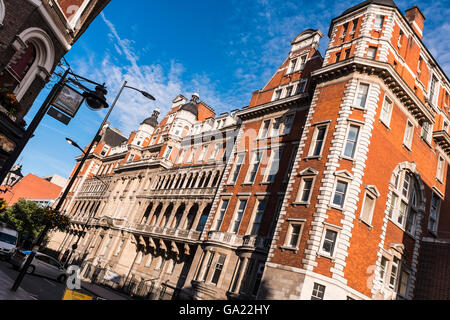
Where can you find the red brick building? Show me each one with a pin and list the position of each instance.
(334, 184)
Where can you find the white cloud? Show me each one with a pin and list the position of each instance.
(122, 64)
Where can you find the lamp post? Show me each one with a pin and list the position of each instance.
(95, 99)
(99, 90)
(75, 245)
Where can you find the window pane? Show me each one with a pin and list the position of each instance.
(295, 233)
(352, 139)
(306, 190)
(319, 140)
(329, 242)
(339, 196)
(361, 96)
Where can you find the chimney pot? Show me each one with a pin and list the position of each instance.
(416, 19)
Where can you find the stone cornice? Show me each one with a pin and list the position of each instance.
(385, 72)
(442, 139)
(273, 106)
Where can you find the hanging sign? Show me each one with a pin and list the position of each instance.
(68, 100)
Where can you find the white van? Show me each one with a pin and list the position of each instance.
(8, 241)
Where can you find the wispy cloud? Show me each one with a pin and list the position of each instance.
(122, 63)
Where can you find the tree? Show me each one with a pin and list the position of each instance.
(29, 219)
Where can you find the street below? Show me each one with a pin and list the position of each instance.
(39, 287)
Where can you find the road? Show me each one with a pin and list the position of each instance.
(39, 287)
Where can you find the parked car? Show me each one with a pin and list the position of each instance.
(42, 264)
(8, 241)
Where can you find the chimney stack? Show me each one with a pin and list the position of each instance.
(416, 19)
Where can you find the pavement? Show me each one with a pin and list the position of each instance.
(40, 288)
(6, 294)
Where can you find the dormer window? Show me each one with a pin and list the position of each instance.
(289, 91)
(345, 29)
(104, 151)
(278, 94)
(293, 64)
(302, 62)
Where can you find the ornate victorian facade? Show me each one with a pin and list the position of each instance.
(327, 186)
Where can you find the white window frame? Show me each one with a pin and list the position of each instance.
(358, 106)
(277, 121)
(303, 59)
(385, 117)
(288, 239)
(257, 214)
(277, 94)
(409, 134)
(233, 223)
(314, 294)
(427, 129)
(378, 25)
(252, 163)
(373, 196)
(268, 170)
(292, 66)
(371, 54)
(313, 145)
(221, 212)
(440, 169)
(237, 164)
(263, 131)
(301, 85)
(168, 152)
(332, 204)
(433, 96)
(301, 189)
(355, 150)
(395, 211)
(336, 241)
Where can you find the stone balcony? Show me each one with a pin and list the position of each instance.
(442, 139)
(145, 163)
(256, 242)
(173, 234)
(181, 192)
(249, 242)
(224, 238)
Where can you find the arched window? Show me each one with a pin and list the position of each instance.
(404, 201)
(35, 56)
(17, 68)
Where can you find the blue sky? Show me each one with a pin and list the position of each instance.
(224, 50)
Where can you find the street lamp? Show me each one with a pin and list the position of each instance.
(94, 99)
(72, 180)
(75, 245)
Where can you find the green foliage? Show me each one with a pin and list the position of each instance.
(30, 219)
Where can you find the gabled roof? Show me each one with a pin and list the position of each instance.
(113, 138)
(32, 188)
